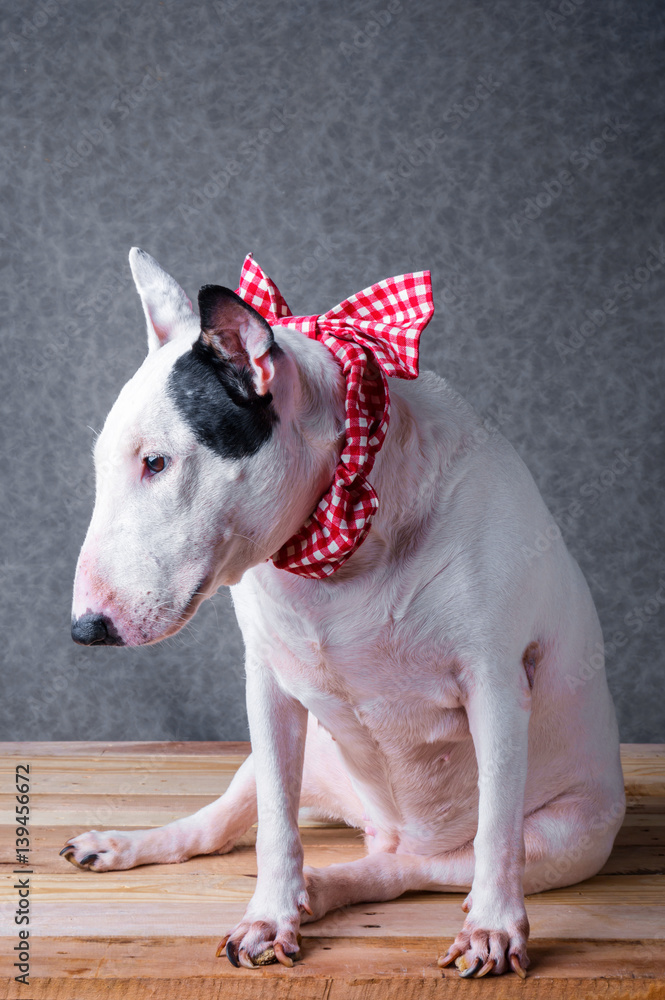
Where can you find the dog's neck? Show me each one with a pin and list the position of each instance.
(404, 471)
(308, 393)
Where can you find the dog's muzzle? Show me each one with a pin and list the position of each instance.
(95, 630)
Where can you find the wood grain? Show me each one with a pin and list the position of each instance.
(332, 969)
(152, 931)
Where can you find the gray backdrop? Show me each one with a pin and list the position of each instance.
(514, 148)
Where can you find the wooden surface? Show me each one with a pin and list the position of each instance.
(151, 932)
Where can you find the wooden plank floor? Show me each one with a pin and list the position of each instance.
(151, 932)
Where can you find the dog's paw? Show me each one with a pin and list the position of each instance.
(101, 852)
(318, 895)
(256, 942)
(481, 949)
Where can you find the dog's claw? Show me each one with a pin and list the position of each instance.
(467, 971)
(281, 955)
(453, 952)
(68, 853)
(274, 953)
(516, 967)
(487, 967)
(222, 945)
(77, 864)
(232, 953)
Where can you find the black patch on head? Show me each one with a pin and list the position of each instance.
(217, 399)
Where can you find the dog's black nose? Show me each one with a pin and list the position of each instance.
(95, 630)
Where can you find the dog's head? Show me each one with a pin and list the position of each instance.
(201, 471)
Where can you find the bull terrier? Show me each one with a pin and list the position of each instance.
(430, 691)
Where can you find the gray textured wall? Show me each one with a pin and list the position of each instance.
(515, 148)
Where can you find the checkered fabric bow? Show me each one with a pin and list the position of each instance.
(385, 321)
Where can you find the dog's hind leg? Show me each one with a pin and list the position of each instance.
(566, 840)
(214, 829)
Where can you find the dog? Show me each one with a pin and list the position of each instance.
(428, 691)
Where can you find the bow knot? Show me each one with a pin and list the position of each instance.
(383, 322)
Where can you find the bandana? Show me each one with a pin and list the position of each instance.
(383, 323)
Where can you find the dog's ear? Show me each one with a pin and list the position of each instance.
(238, 334)
(168, 311)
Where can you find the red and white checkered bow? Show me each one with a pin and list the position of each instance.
(385, 320)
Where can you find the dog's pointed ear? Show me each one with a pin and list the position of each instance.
(238, 334)
(168, 311)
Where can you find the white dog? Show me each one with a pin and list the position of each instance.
(441, 664)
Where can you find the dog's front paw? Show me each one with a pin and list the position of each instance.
(101, 852)
(490, 945)
(260, 941)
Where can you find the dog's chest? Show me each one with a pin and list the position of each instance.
(356, 668)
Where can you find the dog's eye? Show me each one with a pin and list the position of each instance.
(155, 464)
